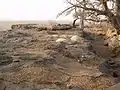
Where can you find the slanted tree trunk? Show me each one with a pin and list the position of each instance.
(115, 19)
(74, 23)
(118, 7)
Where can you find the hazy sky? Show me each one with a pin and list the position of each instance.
(30, 9)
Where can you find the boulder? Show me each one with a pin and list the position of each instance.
(75, 38)
(61, 40)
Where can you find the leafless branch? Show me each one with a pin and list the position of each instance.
(59, 14)
(96, 20)
(85, 8)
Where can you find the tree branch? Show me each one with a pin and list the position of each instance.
(59, 14)
(104, 3)
(96, 20)
(91, 9)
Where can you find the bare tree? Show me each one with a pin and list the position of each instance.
(95, 10)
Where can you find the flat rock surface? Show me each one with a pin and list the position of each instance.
(33, 60)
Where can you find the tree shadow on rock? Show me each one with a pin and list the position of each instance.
(97, 44)
(108, 65)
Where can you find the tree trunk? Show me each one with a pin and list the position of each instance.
(74, 23)
(82, 23)
(115, 19)
(83, 16)
(118, 7)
